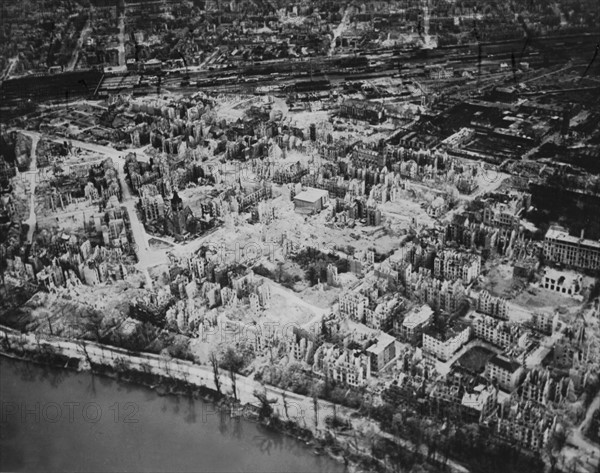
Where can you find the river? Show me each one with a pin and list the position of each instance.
(59, 420)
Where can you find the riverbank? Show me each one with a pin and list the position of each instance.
(224, 404)
(57, 420)
(113, 364)
(305, 418)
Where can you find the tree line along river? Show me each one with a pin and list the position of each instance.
(60, 420)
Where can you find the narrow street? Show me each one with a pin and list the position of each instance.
(33, 171)
(146, 257)
(122, 40)
(337, 33)
(577, 436)
(12, 63)
(208, 60)
(85, 32)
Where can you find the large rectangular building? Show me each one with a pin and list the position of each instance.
(506, 372)
(382, 353)
(453, 265)
(415, 322)
(373, 112)
(563, 282)
(560, 247)
(353, 305)
(443, 345)
(311, 200)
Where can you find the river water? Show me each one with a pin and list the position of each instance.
(60, 420)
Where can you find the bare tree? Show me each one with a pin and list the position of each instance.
(285, 405)
(83, 347)
(214, 362)
(121, 364)
(50, 325)
(233, 363)
(7, 341)
(145, 367)
(266, 410)
(233, 382)
(316, 409)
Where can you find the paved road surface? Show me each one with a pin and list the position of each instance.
(33, 171)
